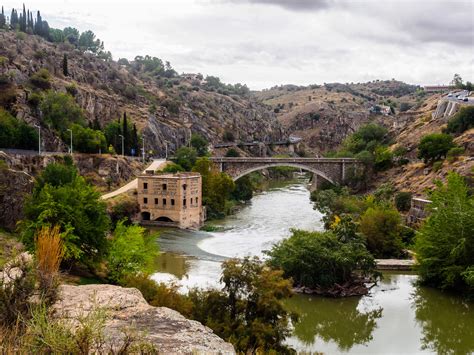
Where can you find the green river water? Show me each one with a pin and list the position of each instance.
(398, 317)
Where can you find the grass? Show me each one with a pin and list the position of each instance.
(9, 246)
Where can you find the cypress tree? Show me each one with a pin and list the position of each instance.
(65, 66)
(14, 19)
(125, 133)
(3, 21)
(97, 124)
(39, 25)
(23, 20)
(135, 138)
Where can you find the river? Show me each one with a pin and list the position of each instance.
(397, 317)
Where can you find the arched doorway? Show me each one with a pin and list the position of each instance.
(164, 219)
(145, 216)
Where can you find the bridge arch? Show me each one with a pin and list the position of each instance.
(293, 165)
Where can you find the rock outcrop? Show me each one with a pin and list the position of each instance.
(167, 330)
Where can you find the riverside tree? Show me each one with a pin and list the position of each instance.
(445, 242)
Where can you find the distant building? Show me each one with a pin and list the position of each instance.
(438, 88)
(380, 110)
(418, 210)
(171, 199)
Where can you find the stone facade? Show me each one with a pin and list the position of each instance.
(418, 211)
(334, 170)
(171, 199)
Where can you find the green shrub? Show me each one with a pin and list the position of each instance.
(228, 136)
(321, 259)
(15, 133)
(453, 153)
(34, 99)
(41, 79)
(461, 121)
(403, 201)
(232, 153)
(185, 157)
(243, 189)
(172, 168)
(383, 158)
(86, 140)
(60, 111)
(124, 210)
(72, 90)
(130, 252)
(434, 146)
(381, 227)
(159, 294)
(199, 143)
(445, 242)
(437, 165)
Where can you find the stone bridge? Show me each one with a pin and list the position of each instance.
(334, 170)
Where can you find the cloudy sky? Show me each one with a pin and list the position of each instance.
(270, 42)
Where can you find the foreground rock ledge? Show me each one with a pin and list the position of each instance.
(168, 330)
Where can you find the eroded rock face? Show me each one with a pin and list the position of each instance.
(167, 330)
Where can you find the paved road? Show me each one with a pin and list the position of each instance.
(461, 93)
(155, 165)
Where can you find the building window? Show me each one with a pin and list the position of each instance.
(164, 187)
(184, 187)
(145, 200)
(184, 202)
(196, 200)
(172, 202)
(156, 201)
(164, 202)
(145, 185)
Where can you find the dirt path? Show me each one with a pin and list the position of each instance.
(155, 165)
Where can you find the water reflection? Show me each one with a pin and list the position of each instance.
(333, 320)
(447, 322)
(175, 264)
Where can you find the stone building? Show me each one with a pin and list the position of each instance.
(171, 199)
(418, 210)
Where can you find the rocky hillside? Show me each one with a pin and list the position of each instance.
(166, 110)
(324, 115)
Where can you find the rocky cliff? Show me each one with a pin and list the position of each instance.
(165, 110)
(125, 308)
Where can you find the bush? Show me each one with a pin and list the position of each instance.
(185, 157)
(403, 201)
(404, 106)
(15, 133)
(200, 144)
(72, 90)
(41, 79)
(437, 165)
(124, 210)
(243, 189)
(86, 140)
(453, 153)
(461, 121)
(445, 242)
(321, 259)
(130, 252)
(60, 111)
(434, 146)
(228, 136)
(172, 168)
(381, 227)
(159, 294)
(232, 153)
(34, 99)
(383, 158)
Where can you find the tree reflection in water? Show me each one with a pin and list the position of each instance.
(333, 320)
(447, 322)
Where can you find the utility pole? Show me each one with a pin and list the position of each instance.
(122, 144)
(71, 140)
(166, 150)
(39, 138)
(143, 150)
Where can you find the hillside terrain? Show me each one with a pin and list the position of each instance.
(166, 108)
(324, 115)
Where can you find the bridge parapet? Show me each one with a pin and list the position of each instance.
(335, 170)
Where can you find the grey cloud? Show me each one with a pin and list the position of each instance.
(294, 5)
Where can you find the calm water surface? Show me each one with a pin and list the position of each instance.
(398, 317)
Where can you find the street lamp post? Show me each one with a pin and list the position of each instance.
(39, 138)
(143, 150)
(71, 140)
(123, 153)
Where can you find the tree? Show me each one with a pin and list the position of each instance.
(41, 79)
(125, 133)
(65, 66)
(249, 312)
(76, 207)
(461, 121)
(445, 242)
(232, 153)
(15, 133)
(228, 136)
(403, 201)
(38, 29)
(87, 42)
(3, 20)
(60, 111)
(186, 157)
(71, 34)
(87, 140)
(199, 143)
(243, 189)
(434, 146)
(130, 252)
(457, 81)
(320, 260)
(14, 20)
(382, 227)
